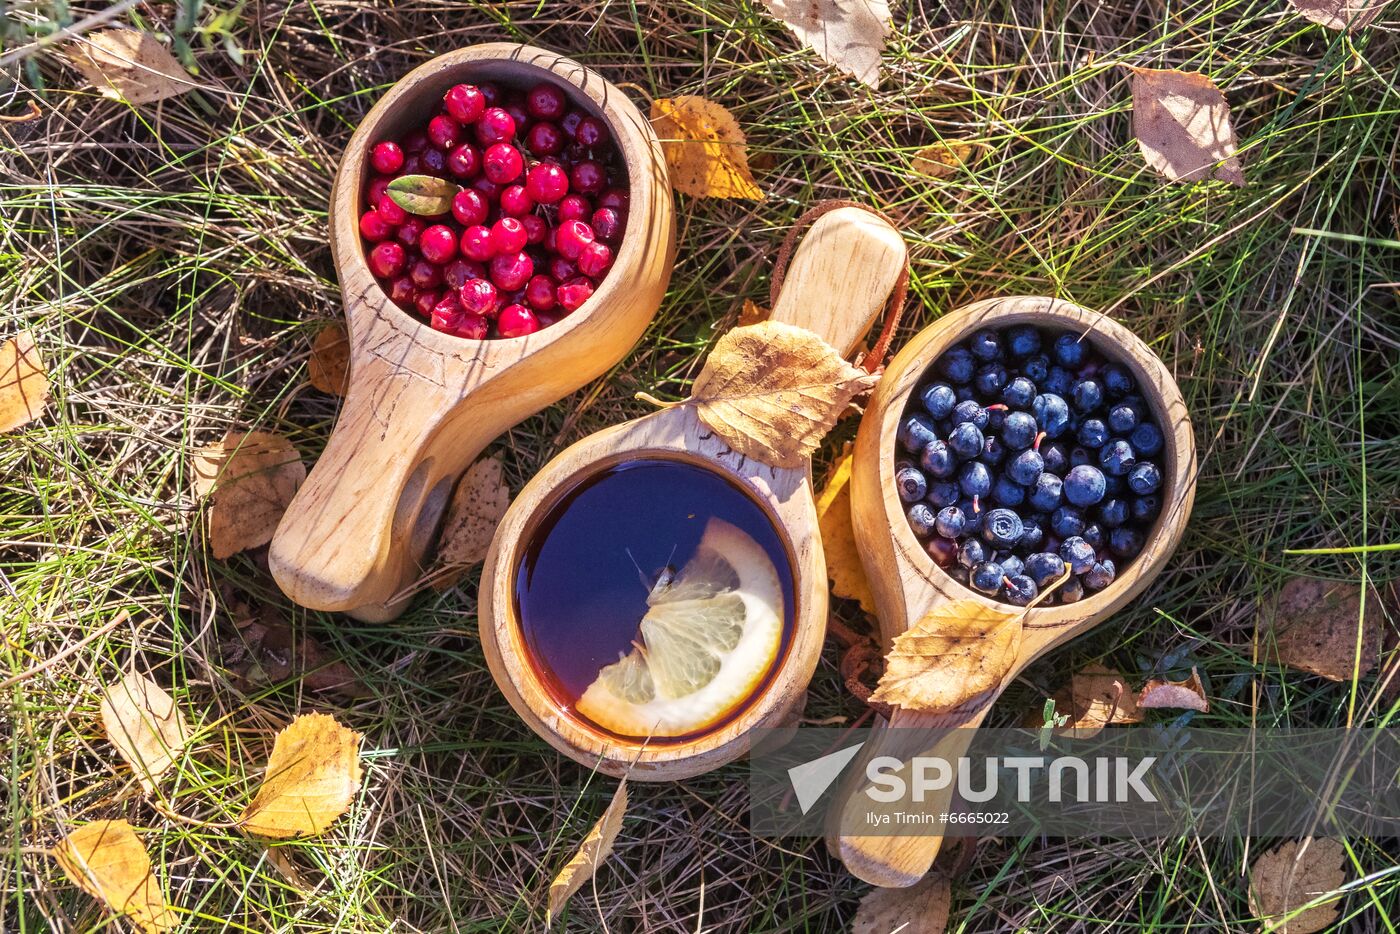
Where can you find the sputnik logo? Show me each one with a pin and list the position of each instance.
(810, 780)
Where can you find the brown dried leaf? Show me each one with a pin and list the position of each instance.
(849, 34)
(921, 908)
(264, 651)
(704, 148)
(959, 651)
(1350, 15)
(843, 563)
(252, 477)
(1182, 125)
(940, 160)
(329, 366)
(426, 195)
(478, 506)
(1313, 625)
(126, 64)
(312, 776)
(145, 725)
(1187, 694)
(1095, 698)
(24, 388)
(591, 854)
(1290, 876)
(752, 313)
(108, 861)
(772, 391)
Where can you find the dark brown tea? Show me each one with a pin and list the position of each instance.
(656, 600)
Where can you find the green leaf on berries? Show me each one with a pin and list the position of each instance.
(426, 195)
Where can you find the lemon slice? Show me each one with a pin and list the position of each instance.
(708, 639)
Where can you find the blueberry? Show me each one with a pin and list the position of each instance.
(1086, 395)
(1084, 485)
(911, 483)
(1093, 433)
(1077, 553)
(939, 399)
(1113, 486)
(957, 364)
(1002, 528)
(1125, 542)
(970, 410)
(974, 515)
(949, 522)
(1052, 413)
(1145, 508)
(1123, 417)
(1019, 431)
(958, 574)
(1018, 393)
(971, 553)
(915, 432)
(1117, 382)
(1021, 590)
(1044, 567)
(993, 451)
(1066, 522)
(1146, 439)
(1100, 575)
(986, 345)
(1080, 456)
(986, 577)
(1069, 350)
(965, 441)
(1032, 535)
(1036, 367)
(1025, 468)
(1071, 591)
(1117, 457)
(1056, 458)
(1058, 381)
(943, 493)
(943, 551)
(1047, 492)
(963, 392)
(1144, 479)
(1023, 340)
(937, 460)
(1008, 493)
(921, 519)
(975, 479)
(996, 417)
(990, 380)
(1113, 512)
(1093, 534)
(1011, 565)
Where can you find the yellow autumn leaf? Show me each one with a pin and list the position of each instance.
(958, 652)
(312, 777)
(705, 150)
(843, 563)
(939, 160)
(145, 725)
(329, 366)
(849, 34)
(24, 387)
(591, 854)
(1182, 125)
(126, 64)
(921, 908)
(252, 477)
(1292, 875)
(108, 861)
(1186, 694)
(477, 507)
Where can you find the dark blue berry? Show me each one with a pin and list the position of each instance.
(990, 380)
(1117, 457)
(943, 551)
(1052, 413)
(1093, 433)
(1011, 565)
(1044, 567)
(1145, 508)
(1100, 575)
(1018, 393)
(993, 451)
(1020, 590)
(971, 553)
(1032, 535)
(1047, 493)
(959, 574)
(1071, 591)
(915, 432)
(965, 441)
(1077, 553)
(1080, 456)
(1116, 380)
(921, 519)
(939, 399)
(1113, 512)
(1005, 492)
(1066, 522)
(1093, 534)
(1125, 542)
(1056, 458)
(975, 479)
(1002, 528)
(1087, 395)
(1058, 380)
(1123, 417)
(912, 484)
(963, 392)
(1144, 479)
(949, 522)
(973, 512)
(1025, 468)
(1019, 431)
(937, 460)
(1113, 486)
(957, 365)
(1036, 368)
(996, 417)
(970, 411)
(986, 345)
(943, 493)
(1146, 439)
(1069, 350)
(986, 577)
(1023, 340)
(1084, 485)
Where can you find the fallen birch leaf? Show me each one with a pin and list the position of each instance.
(843, 563)
(145, 725)
(130, 65)
(1186, 694)
(478, 505)
(1182, 125)
(108, 861)
(849, 34)
(922, 908)
(312, 776)
(1095, 698)
(1350, 15)
(591, 854)
(1290, 876)
(1314, 625)
(252, 477)
(772, 391)
(426, 195)
(752, 313)
(329, 366)
(24, 388)
(705, 150)
(940, 160)
(959, 651)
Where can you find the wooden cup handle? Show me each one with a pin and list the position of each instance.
(841, 276)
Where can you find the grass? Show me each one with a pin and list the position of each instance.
(172, 263)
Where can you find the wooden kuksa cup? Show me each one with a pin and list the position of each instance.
(907, 584)
(840, 279)
(421, 405)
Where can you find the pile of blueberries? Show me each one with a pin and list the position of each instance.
(1026, 455)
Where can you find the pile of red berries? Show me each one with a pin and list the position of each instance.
(533, 228)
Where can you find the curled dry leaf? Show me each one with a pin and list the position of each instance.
(958, 652)
(24, 387)
(752, 313)
(1182, 125)
(145, 725)
(329, 366)
(1095, 698)
(1318, 626)
(1291, 875)
(849, 34)
(705, 150)
(940, 160)
(126, 64)
(1186, 694)
(591, 854)
(252, 477)
(922, 908)
(478, 506)
(1350, 15)
(843, 564)
(312, 776)
(427, 195)
(108, 861)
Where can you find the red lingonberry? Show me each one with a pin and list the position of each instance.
(518, 112)
(539, 293)
(413, 163)
(594, 260)
(588, 177)
(488, 189)
(591, 133)
(570, 121)
(574, 208)
(546, 318)
(502, 163)
(387, 260)
(547, 182)
(389, 209)
(571, 237)
(425, 301)
(448, 304)
(616, 198)
(461, 271)
(444, 132)
(492, 92)
(401, 291)
(472, 327)
(410, 230)
(374, 227)
(464, 161)
(607, 224)
(439, 244)
(417, 141)
(495, 126)
(508, 235)
(561, 269)
(434, 161)
(517, 321)
(387, 157)
(574, 293)
(510, 271)
(477, 244)
(479, 297)
(445, 319)
(469, 206)
(377, 189)
(546, 101)
(516, 201)
(464, 102)
(545, 139)
(425, 275)
(535, 229)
